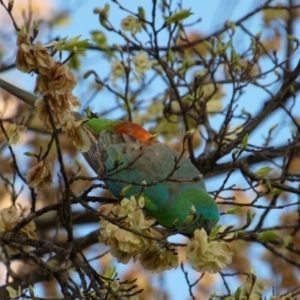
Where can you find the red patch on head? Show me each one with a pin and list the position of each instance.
(135, 131)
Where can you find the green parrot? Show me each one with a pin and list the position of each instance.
(132, 162)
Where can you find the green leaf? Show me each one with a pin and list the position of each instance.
(179, 16)
(235, 153)
(238, 293)
(214, 232)
(246, 113)
(103, 14)
(125, 190)
(142, 16)
(188, 220)
(30, 154)
(287, 241)
(72, 44)
(269, 236)
(74, 62)
(87, 74)
(245, 141)
(233, 211)
(110, 273)
(12, 293)
(31, 290)
(250, 216)
(268, 185)
(62, 19)
(263, 172)
(171, 56)
(292, 38)
(273, 128)
(99, 38)
(209, 46)
(276, 191)
(141, 12)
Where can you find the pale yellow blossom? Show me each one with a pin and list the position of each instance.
(62, 103)
(44, 116)
(25, 60)
(60, 79)
(158, 259)
(117, 70)
(40, 175)
(75, 130)
(206, 256)
(213, 106)
(124, 243)
(131, 24)
(15, 134)
(141, 62)
(9, 218)
(44, 61)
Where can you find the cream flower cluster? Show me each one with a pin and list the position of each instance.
(207, 256)
(252, 289)
(40, 175)
(15, 134)
(126, 244)
(9, 218)
(131, 24)
(55, 82)
(141, 62)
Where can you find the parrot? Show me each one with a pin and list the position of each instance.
(133, 162)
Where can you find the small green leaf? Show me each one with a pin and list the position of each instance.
(99, 37)
(292, 89)
(273, 128)
(87, 74)
(263, 172)
(214, 232)
(188, 220)
(31, 290)
(246, 113)
(30, 154)
(292, 38)
(12, 293)
(209, 46)
(276, 191)
(250, 216)
(36, 25)
(74, 62)
(141, 12)
(125, 190)
(268, 185)
(103, 14)
(233, 211)
(180, 15)
(245, 141)
(287, 241)
(71, 44)
(110, 272)
(277, 73)
(171, 56)
(269, 236)
(235, 153)
(142, 16)
(238, 293)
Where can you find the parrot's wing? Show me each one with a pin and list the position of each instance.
(123, 161)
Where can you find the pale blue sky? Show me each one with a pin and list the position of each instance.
(213, 14)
